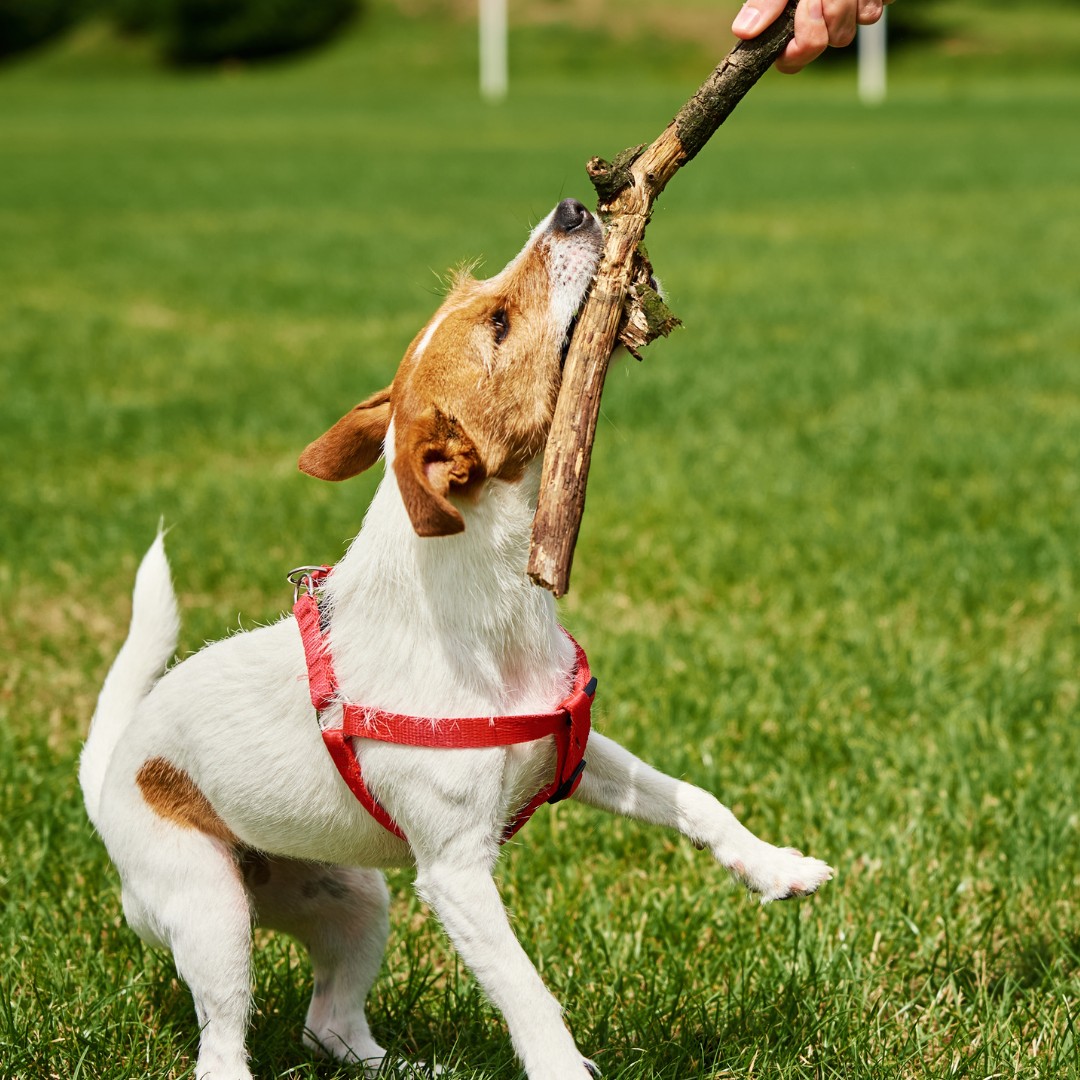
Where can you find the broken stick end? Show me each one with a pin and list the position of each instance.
(550, 569)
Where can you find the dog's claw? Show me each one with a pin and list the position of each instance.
(592, 1069)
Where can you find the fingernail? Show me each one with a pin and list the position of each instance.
(747, 21)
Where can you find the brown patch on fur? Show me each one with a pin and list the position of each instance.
(488, 372)
(353, 444)
(435, 458)
(473, 396)
(173, 795)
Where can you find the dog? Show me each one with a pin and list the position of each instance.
(212, 786)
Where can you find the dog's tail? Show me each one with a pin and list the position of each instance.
(150, 645)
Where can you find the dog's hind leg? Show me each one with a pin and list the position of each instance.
(186, 892)
(620, 783)
(340, 915)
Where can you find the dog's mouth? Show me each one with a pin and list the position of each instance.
(576, 264)
(565, 350)
(568, 337)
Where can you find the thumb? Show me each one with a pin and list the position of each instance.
(754, 16)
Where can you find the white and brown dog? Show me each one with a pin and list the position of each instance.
(212, 787)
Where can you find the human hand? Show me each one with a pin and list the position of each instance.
(818, 24)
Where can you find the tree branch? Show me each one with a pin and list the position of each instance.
(623, 306)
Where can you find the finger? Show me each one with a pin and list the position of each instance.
(840, 19)
(811, 38)
(869, 12)
(754, 16)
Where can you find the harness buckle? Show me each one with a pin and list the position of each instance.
(568, 785)
(577, 708)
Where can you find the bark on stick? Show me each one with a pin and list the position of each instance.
(623, 307)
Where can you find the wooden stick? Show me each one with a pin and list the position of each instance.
(623, 307)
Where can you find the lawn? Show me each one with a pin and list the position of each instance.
(829, 564)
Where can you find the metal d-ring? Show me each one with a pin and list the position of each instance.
(305, 577)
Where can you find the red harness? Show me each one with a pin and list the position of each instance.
(570, 723)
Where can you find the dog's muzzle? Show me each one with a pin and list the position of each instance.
(570, 215)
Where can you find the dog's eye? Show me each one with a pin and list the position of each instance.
(500, 323)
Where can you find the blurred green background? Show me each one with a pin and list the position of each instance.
(828, 567)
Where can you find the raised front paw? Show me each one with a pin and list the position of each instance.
(780, 873)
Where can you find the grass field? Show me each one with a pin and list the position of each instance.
(829, 566)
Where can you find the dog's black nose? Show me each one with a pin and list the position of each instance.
(570, 215)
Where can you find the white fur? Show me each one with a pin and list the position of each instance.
(436, 627)
(151, 643)
(429, 333)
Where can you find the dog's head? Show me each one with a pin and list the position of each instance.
(475, 392)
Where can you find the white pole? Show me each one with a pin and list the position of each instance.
(871, 44)
(493, 63)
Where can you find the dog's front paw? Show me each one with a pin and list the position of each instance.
(780, 873)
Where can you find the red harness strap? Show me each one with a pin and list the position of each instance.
(569, 724)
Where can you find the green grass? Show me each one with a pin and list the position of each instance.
(828, 567)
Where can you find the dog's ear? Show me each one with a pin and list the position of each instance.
(353, 444)
(434, 457)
